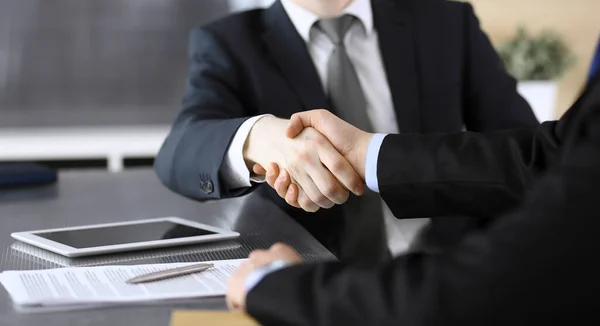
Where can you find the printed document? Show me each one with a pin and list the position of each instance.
(85, 287)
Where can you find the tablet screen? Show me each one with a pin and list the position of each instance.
(123, 234)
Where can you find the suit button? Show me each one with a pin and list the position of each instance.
(207, 187)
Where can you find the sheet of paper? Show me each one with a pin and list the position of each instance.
(102, 285)
(207, 317)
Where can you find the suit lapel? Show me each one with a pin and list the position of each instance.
(396, 43)
(291, 55)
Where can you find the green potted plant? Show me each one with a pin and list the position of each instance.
(537, 62)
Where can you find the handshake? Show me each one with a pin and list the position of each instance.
(313, 161)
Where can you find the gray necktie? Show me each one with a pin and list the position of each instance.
(364, 236)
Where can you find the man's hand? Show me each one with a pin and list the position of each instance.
(323, 175)
(350, 141)
(280, 180)
(236, 287)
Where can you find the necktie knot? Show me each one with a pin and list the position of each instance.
(336, 28)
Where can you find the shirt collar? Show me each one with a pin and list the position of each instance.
(303, 19)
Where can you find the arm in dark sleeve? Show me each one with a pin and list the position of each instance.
(532, 265)
(192, 155)
(491, 98)
(472, 174)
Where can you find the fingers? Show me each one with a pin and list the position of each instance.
(291, 196)
(273, 174)
(343, 171)
(314, 180)
(285, 252)
(278, 251)
(260, 258)
(236, 288)
(301, 120)
(231, 303)
(258, 169)
(281, 181)
(304, 200)
(328, 187)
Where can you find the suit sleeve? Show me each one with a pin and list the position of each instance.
(469, 174)
(191, 157)
(491, 98)
(530, 265)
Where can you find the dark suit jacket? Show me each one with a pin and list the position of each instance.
(534, 265)
(441, 68)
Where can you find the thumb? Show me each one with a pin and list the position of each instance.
(302, 120)
(296, 125)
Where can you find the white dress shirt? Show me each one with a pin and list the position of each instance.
(362, 45)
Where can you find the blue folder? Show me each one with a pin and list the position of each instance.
(25, 174)
(595, 67)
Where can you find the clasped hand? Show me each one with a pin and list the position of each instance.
(321, 176)
(322, 158)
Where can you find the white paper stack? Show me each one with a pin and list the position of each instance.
(87, 287)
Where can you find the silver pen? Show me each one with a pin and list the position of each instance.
(169, 273)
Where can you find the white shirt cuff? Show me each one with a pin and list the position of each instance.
(235, 172)
(371, 161)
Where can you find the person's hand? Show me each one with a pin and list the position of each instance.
(236, 287)
(322, 174)
(348, 140)
(280, 180)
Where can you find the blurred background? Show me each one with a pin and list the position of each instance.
(96, 83)
(95, 62)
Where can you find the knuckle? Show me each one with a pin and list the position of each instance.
(344, 197)
(278, 246)
(321, 200)
(321, 112)
(328, 205)
(279, 184)
(281, 187)
(283, 176)
(331, 191)
(302, 156)
(292, 203)
(356, 183)
(320, 141)
(338, 166)
(292, 167)
(305, 203)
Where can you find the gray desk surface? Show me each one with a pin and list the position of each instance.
(90, 197)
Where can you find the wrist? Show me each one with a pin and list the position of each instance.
(360, 153)
(262, 138)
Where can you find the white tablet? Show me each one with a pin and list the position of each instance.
(123, 236)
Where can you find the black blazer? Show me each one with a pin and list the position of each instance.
(535, 264)
(441, 68)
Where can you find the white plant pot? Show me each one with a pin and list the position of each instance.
(541, 96)
(239, 5)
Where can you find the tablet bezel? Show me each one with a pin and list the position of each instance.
(30, 237)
